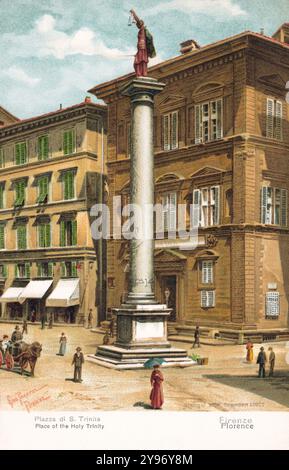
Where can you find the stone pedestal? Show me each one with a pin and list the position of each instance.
(141, 321)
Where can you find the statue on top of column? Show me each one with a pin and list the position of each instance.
(145, 47)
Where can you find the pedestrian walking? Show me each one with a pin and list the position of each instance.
(250, 353)
(77, 361)
(25, 327)
(271, 362)
(261, 360)
(197, 337)
(157, 393)
(43, 321)
(50, 323)
(63, 343)
(33, 315)
(89, 319)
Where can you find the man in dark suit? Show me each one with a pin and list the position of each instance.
(261, 360)
(77, 361)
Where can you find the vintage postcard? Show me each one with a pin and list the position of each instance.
(144, 224)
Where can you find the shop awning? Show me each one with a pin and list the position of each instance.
(65, 294)
(35, 290)
(12, 294)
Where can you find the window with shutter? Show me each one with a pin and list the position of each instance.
(274, 206)
(174, 130)
(284, 205)
(43, 189)
(68, 185)
(2, 236)
(166, 132)
(20, 187)
(270, 118)
(278, 120)
(207, 298)
(274, 119)
(3, 271)
(198, 124)
(207, 272)
(2, 158)
(2, 195)
(215, 205)
(21, 153)
(27, 270)
(73, 232)
(69, 142)
(62, 233)
(272, 304)
(205, 207)
(43, 147)
(22, 237)
(44, 235)
(170, 131)
(73, 269)
(209, 121)
(63, 269)
(169, 208)
(196, 208)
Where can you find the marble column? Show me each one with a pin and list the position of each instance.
(141, 320)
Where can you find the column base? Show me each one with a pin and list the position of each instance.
(141, 335)
(114, 357)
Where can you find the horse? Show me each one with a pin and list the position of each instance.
(28, 355)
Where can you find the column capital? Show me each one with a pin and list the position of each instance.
(142, 86)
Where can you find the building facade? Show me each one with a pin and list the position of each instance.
(221, 142)
(51, 174)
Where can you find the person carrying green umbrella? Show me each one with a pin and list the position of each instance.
(157, 378)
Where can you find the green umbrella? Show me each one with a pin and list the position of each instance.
(154, 361)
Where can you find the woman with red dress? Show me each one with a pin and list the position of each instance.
(157, 394)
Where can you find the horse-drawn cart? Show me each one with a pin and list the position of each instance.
(20, 354)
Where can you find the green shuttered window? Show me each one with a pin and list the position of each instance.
(2, 236)
(22, 270)
(2, 158)
(21, 153)
(68, 233)
(44, 235)
(3, 271)
(19, 187)
(21, 237)
(69, 142)
(2, 195)
(43, 147)
(43, 189)
(69, 269)
(45, 269)
(274, 206)
(68, 185)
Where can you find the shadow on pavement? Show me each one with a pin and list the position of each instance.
(274, 388)
(144, 405)
(16, 371)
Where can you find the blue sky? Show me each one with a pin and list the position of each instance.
(52, 51)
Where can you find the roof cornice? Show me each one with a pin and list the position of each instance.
(190, 63)
(84, 109)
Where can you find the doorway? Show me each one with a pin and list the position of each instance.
(169, 294)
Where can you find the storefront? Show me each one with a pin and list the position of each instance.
(33, 298)
(11, 297)
(63, 302)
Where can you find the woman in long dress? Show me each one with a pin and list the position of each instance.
(63, 342)
(157, 394)
(250, 354)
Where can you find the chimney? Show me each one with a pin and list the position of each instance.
(87, 99)
(189, 46)
(282, 33)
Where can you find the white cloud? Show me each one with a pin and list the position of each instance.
(45, 40)
(18, 74)
(224, 8)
